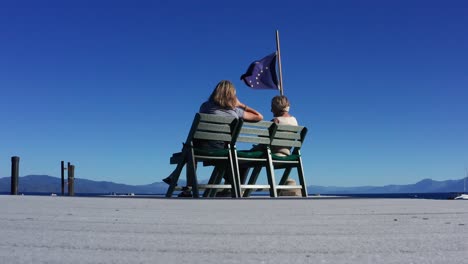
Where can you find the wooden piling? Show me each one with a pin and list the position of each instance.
(14, 175)
(71, 180)
(68, 177)
(62, 174)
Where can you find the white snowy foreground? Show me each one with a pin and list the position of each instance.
(40, 229)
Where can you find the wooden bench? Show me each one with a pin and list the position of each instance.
(235, 164)
(265, 135)
(210, 128)
(293, 137)
(258, 134)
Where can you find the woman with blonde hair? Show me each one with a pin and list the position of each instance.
(223, 101)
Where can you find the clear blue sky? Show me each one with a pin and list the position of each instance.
(112, 86)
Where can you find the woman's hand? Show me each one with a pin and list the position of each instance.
(250, 114)
(240, 105)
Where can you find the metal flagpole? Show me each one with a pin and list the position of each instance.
(279, 63)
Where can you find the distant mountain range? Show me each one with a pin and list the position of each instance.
(423, 186)
(49, 184)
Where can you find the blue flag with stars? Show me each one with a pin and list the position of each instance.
(261, 74)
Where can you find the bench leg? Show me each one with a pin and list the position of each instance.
(271, 175)
(214, 179)
(192, 175)
(252, 180)
(285, 177)
(175, 178)
(300, 172)
(218, 180)
(235, 180)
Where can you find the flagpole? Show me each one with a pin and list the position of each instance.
(279, 63)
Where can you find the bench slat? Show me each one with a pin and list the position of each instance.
(255, 186)
(216, 118)
(214, 186)
(224, 128)
(254, 131)
(289, 128)
(207, 186)
(285, 143)
(288, 187)
(288, 135)
(256, 140)
(205, 157)
(257, 124)
(212, 136)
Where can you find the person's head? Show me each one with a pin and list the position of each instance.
(224, 95)
(279, 105)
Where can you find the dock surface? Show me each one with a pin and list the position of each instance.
(43, 229)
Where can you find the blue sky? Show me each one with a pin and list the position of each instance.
(112, 86)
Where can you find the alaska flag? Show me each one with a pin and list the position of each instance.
(261, 74)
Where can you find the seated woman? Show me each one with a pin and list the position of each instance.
(223, 101)
(280, 108)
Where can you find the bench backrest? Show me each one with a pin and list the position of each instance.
(288, 136)
(232, 130)
(255, 132)
(213, 127)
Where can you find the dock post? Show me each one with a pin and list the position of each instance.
(68, 177)
(71, 179)
(62, 174)
(14, 175)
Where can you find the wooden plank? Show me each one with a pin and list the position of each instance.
(264, 124)
(206, 186)
(287, 187)
(212, 136)
(267, 187)
(289, 128)
(285, 143)
(256, 140)
(254, 131)
(222, 128)
(243, 160)
(209, 158)
(214, 186)
(287, 135)
(216, 118)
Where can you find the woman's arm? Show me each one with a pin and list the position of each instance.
(250, 114)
